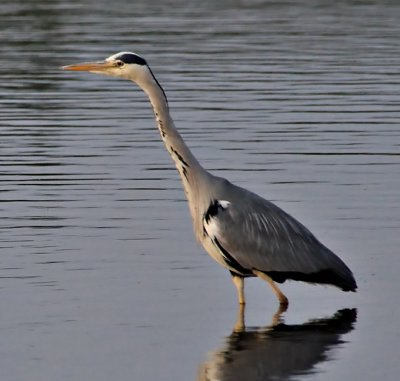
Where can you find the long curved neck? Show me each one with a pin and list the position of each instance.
(173, 141)
(194, 176)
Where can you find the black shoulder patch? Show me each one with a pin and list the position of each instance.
(212, 210)
(130, 58)
(215, 207)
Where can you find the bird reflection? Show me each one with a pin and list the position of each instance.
(277, 351)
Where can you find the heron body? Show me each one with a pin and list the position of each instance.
(242, 231)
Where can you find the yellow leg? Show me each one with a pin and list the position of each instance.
(283, 300)
(238, 281)
(240, 324)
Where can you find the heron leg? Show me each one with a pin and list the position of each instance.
(277, 318)
(238, 281)
(283, 300)
(240, 324)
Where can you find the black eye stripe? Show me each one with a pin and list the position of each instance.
(130, 58)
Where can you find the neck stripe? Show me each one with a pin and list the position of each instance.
(158, 84)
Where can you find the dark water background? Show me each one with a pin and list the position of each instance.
(100, 276)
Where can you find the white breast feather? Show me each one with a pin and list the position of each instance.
(211, 226)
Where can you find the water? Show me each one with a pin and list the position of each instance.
(100, 276)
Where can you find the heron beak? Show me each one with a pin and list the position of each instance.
(97, 67)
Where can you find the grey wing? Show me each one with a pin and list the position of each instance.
(253, 233)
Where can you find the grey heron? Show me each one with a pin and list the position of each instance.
(242, 231)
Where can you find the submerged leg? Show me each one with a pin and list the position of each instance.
(277, 318)
(283, 300)
(238, 281)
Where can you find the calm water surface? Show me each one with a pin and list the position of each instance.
(100, 276)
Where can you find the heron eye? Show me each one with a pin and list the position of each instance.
(120, 63)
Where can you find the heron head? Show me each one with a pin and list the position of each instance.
(123, 65)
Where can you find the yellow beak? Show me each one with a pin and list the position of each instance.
(90, 66)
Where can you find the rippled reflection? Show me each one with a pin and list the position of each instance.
(277, 351)
(295, 100)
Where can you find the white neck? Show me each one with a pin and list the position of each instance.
(194, 176)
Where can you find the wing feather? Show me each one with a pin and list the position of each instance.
(259, 235)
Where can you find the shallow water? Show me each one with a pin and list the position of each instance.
(100, 276)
